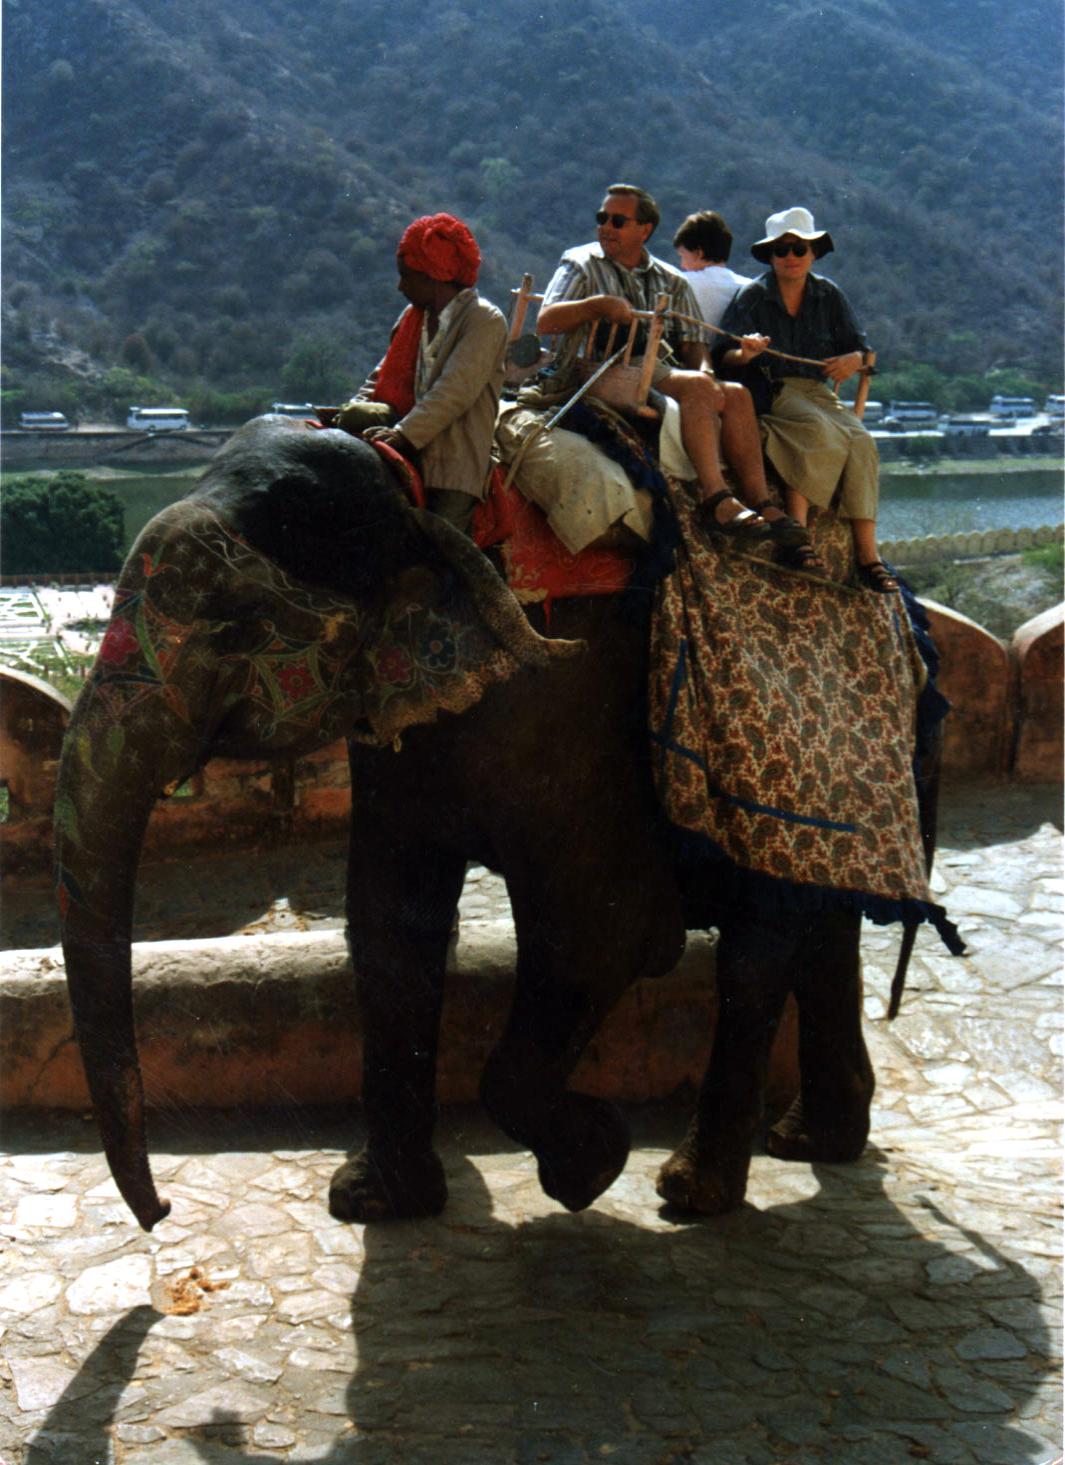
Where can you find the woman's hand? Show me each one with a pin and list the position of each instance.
(839, 368)
(749, 347)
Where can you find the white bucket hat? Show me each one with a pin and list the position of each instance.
(796, 221)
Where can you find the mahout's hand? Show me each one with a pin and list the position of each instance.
(391, 437)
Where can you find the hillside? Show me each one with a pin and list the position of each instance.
(193, 191)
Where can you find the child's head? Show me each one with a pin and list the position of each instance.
(706, 236)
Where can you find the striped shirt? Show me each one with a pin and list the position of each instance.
(586, 271)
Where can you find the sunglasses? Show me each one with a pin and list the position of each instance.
(618, 220)
(781, 251)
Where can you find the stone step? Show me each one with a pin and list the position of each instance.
(273, 1020)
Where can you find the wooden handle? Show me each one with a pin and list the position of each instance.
(654, 336)
(868, 362)
(523, 298)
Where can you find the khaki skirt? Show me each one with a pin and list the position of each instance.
(817, 445)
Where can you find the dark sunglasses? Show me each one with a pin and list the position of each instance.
(781, 251)
(618, 220)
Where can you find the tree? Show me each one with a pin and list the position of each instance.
(121, 387)
(54, 524)
(137, 354)
(316, 371)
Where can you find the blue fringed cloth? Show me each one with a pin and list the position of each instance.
(784, 714)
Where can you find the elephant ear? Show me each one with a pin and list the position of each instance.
(498, 610)
(447, 630)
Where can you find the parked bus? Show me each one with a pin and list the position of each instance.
(157, 419)
(902, 416)
(43, 422)
(966, 425)
(302, 410)
(1012, 409)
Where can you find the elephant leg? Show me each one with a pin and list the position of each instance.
(829, 1120)
(581, 1143)
(708, 1172)
(581, 943)
(400, 907)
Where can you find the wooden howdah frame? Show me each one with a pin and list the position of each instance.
(627, 384)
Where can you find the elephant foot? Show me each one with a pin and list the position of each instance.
(580, 1143)
(838, 1143)
(705, 1184)
(585, 1154)
(375, 1187)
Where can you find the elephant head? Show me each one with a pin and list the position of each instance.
(293, 597)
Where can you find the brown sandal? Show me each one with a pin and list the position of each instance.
(746, 527)
(804, 558)
(785, 531)
(876, 576)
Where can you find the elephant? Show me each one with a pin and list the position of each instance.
(294, 597)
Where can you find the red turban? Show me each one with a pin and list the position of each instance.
(441, 247)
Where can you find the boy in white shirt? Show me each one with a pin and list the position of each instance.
(703, 244)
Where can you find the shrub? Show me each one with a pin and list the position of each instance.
(1051, 557)
(53, 524)
(227, 409)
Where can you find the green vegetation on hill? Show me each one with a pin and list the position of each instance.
(197, 195)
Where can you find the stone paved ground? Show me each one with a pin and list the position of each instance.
(904, 1308)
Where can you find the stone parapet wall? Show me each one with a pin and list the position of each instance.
(919, 447)
(977, 544)
(1006, 721)
(1036, 693)
(27, 451)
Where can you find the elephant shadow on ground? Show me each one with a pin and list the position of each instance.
(982, 816)
(837, 1325)
(78, 1426)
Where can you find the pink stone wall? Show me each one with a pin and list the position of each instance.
(974, 674)
(1036, 656)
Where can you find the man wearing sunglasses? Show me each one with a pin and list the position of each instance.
(614, 277)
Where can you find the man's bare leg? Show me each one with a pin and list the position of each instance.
(697, 396)
(741, 444)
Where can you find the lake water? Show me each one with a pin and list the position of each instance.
(915, 504)
(911, 504)
(143, 496)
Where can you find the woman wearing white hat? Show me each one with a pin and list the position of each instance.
(815, 443)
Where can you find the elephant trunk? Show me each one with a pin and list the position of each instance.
(497, 607)
(99, 981)
(100, 818)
